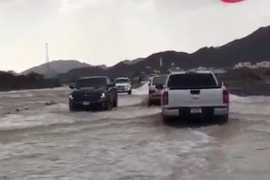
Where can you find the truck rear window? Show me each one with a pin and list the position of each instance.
(192, 81)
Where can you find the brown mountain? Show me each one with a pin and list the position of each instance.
(56, 67)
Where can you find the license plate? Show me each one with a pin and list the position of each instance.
(196, 110)
(86, 103)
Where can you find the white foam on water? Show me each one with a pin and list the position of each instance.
(59, 114)
(16, 95)
(143, 90)
(251, 108)
(256, 105)
(250, 99)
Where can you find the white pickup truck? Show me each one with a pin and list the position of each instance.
(196, 93)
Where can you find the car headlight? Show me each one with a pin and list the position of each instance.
(71, 97)
(103, 95)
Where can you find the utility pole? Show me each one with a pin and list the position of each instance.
(161, 65)
(47, 57)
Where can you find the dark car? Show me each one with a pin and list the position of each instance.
(97, 92)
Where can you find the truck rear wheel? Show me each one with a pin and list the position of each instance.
(149, 103)
(223, 119)
(165, 118)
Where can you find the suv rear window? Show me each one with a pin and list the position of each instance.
(192, 81)
(122, 81)
(91, 82)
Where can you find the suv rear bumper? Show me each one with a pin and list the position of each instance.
(155, 97)
(186, 111)
(88, 103)
(123, 91)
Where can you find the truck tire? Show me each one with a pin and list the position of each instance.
(130, 92)
(223, 119)
(165, 118)
(149, 103)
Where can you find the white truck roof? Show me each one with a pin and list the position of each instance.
(199, 72)
(122, 78)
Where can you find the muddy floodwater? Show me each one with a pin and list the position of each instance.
(41, 139)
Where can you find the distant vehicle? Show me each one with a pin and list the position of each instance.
(123, 85)
(156, 85)
(195, 94)
(97, 92)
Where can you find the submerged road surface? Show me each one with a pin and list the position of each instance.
(41, 139)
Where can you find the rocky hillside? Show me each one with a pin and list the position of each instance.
(253, 48)
(56, 67)
(30, 81)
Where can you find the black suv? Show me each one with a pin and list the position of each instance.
(97, 92)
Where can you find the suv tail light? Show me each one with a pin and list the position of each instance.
(165, 98)
(226, 97)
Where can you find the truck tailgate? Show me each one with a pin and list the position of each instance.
(196, 97)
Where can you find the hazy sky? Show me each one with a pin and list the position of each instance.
(107, 31)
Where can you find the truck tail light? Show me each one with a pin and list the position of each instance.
(226, 97)
(165, 98)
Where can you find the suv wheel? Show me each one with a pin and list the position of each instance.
(115, 103)
(72, 107)
(109, 105)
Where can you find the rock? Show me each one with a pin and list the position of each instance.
(50, 103)
(26, 108)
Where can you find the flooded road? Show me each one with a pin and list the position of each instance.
(41, 139)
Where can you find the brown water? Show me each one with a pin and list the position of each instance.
(40, 141)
